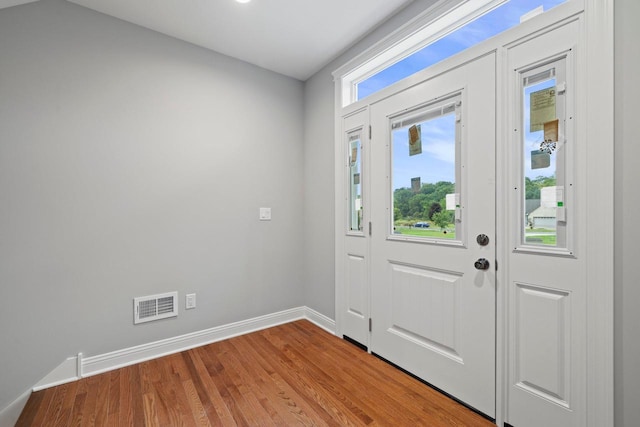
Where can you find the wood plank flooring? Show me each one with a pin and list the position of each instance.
(289, 375)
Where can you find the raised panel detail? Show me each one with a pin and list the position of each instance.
(543, 336)
(424, 308)
(356, 285)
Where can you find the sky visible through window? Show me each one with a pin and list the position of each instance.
(438, 138)
(438, 161)
(495, 22)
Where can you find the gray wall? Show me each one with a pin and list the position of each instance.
(627, 210)
(131, 164)
(319, 205)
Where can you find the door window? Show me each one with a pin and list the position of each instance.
(425, 152)
(545, 181)
(355, 181)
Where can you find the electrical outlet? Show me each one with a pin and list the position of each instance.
(190, 301)
(265, 214)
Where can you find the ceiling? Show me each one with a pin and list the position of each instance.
(9, 3)
(292, 37)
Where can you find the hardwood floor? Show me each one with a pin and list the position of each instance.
(293, 374)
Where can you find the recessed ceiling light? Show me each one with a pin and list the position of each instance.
(243, 1)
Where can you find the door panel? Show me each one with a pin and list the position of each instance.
(356, 316)
(353, 297)
(433, 312)
(424, 308)
(543, 347)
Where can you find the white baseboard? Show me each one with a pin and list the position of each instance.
(107, 362)
(67, 371)
(9, 415)
(320, 320)
(78, 367)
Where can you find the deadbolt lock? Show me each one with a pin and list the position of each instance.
(482, 239)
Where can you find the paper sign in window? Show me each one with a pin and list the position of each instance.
(540, 159)
(452, 201)
(543, 108)
(415, 184)
(415, 140)
(551, 130)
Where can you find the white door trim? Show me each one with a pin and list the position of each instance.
(599, 105)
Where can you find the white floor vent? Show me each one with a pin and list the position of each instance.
(155, 307)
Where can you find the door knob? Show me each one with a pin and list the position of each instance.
(482, 239)
(481, 264)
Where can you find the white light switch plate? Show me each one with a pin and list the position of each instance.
(190, 301)
(265, 214)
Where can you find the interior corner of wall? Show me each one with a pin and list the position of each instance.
(9, 415)
(66, 372)
(320, 320)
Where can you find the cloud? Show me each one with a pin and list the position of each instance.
(442, 150)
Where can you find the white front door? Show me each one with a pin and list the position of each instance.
(433, 280)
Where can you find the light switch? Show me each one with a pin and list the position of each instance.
(265, 214)
(190, 301)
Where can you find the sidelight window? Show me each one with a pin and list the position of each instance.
(546, 181)
(354, 144)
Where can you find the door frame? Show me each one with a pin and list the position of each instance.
(595, 71)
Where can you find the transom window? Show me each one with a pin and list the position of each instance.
(451, 26)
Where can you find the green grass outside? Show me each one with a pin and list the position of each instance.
(548, 240)
(542, 240)
(433, 233)
(426, 232)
